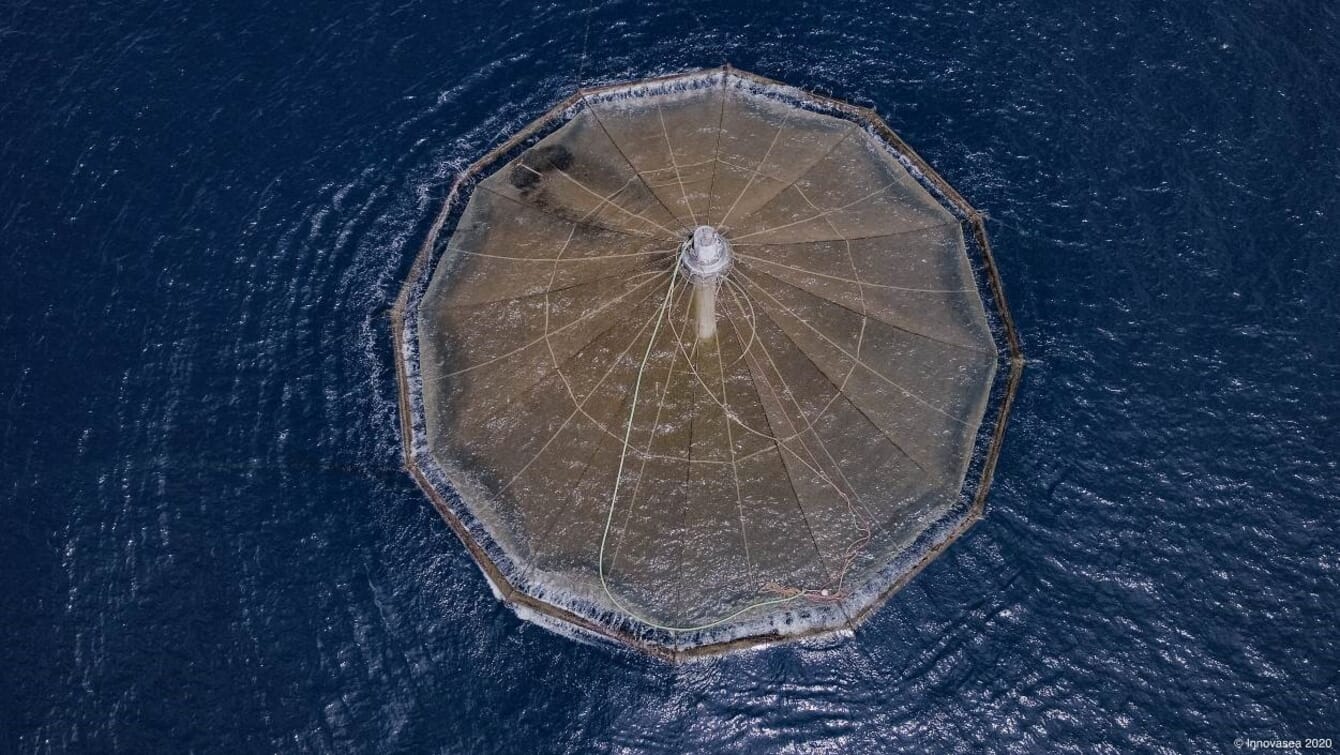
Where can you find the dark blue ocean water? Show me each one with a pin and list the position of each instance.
(207, 542)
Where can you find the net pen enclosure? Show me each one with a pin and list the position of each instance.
(703, 362)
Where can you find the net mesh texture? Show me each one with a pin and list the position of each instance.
(700, 488)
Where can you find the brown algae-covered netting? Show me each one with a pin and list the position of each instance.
(687, 445)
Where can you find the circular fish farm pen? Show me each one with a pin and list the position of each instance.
(705, 361)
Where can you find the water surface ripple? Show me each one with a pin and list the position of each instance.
(208, 541)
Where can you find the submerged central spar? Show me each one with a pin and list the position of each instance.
(705, 361)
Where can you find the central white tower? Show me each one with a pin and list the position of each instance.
(706, 257)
